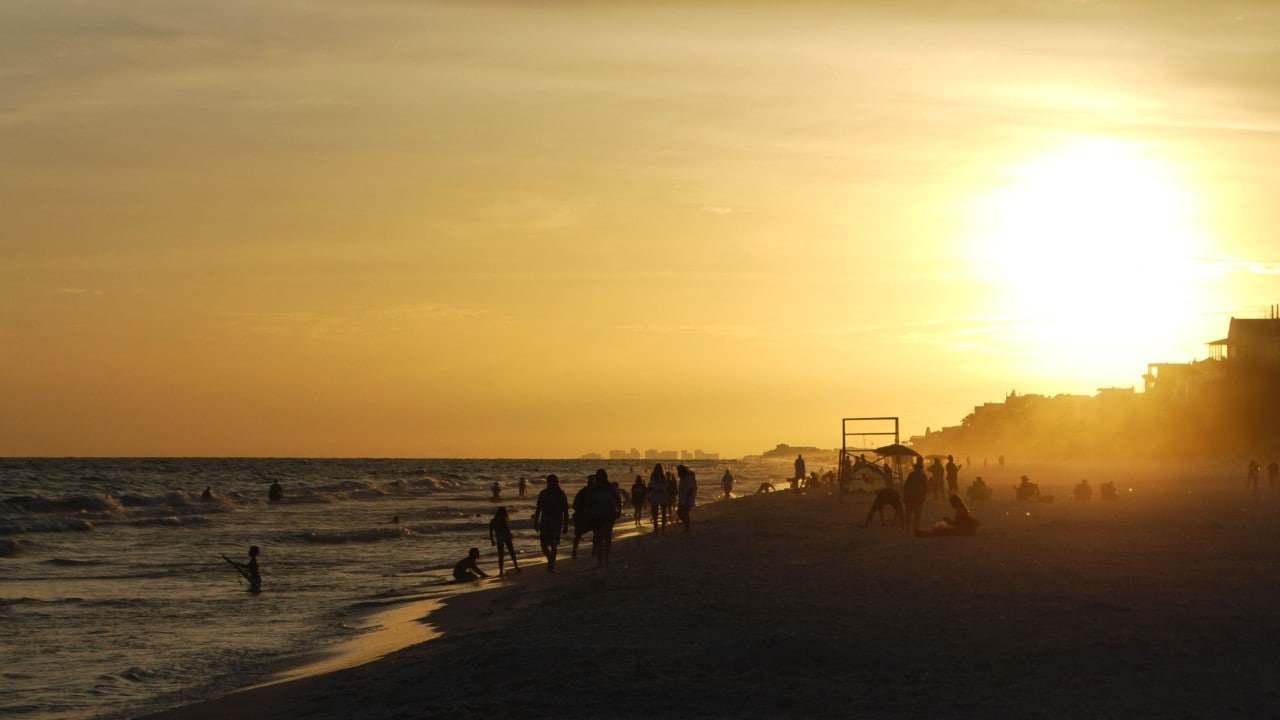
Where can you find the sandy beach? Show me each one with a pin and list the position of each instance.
(1160, 604)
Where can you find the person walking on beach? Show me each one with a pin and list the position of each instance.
(500, 535)
(800, 474)
(936, 484)
(467, 569)
(688, 490)
(726, 484)
(250, 570)
(639, 496)
(914, 490)
(582, 515)
(953, 476)
(551, 519)
(658, 496)
(606, 507)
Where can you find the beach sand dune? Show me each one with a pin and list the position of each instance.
(1163, 603)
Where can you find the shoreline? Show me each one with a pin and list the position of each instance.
(782, 604)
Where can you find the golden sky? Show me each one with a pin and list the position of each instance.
(548, 228)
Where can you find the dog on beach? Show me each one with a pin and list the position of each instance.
(887, 497)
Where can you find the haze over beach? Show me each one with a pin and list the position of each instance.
(442, 229)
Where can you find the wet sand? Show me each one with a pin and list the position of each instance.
(1163, 603)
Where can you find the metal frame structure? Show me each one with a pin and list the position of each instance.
(845, 434)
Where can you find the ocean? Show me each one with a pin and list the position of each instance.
(115, 600)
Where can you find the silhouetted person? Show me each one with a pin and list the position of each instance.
(658, 496)
(207, 495)
(688, 490)
(978, 489)
(639, 496)
(887, 497)
(953, 476)
(467, 569)
(962, 524)
(275, 493)
(582, 514)
(800, 474)
(496, 489)
(726, 484)
(250, 570)
(551, 519)
(1026, 490)
(500, 535)
(765, 487)
(936, 483)
(606, 508)
(523, 485)
(1083, 491)
(914, 489)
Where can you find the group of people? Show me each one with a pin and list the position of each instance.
(594, 510)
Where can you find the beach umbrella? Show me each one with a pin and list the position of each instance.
(896, 450)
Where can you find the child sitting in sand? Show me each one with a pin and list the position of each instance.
(467, 569)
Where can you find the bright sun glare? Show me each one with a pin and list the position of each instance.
(1092, 250)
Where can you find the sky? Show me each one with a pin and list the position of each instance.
(542, 229)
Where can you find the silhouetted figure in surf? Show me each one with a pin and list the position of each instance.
(962, 524)
(765, 487)
(800, 474)
(688, 494)
(250, 570)
(606, 508)
(207, 495)
(500, 535)
(953, 476)
(581, 515)
(887, 497)
(914, 489)
(276, 492)
(523, 485)
(496, 489)
(639, 496)
(551, 519)
(726, 484)
(658, 497)
(467, 569)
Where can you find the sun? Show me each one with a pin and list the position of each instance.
(1091, 249)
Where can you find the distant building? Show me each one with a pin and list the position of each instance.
(1253, 341)
(632, 454)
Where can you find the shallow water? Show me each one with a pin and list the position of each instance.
(114, 599)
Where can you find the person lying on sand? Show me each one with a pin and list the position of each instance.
(467, 569)
(962, 524)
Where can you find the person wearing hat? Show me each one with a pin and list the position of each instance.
(467, 569)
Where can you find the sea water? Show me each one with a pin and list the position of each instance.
(115, 600)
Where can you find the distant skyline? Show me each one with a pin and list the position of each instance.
(482, 229)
